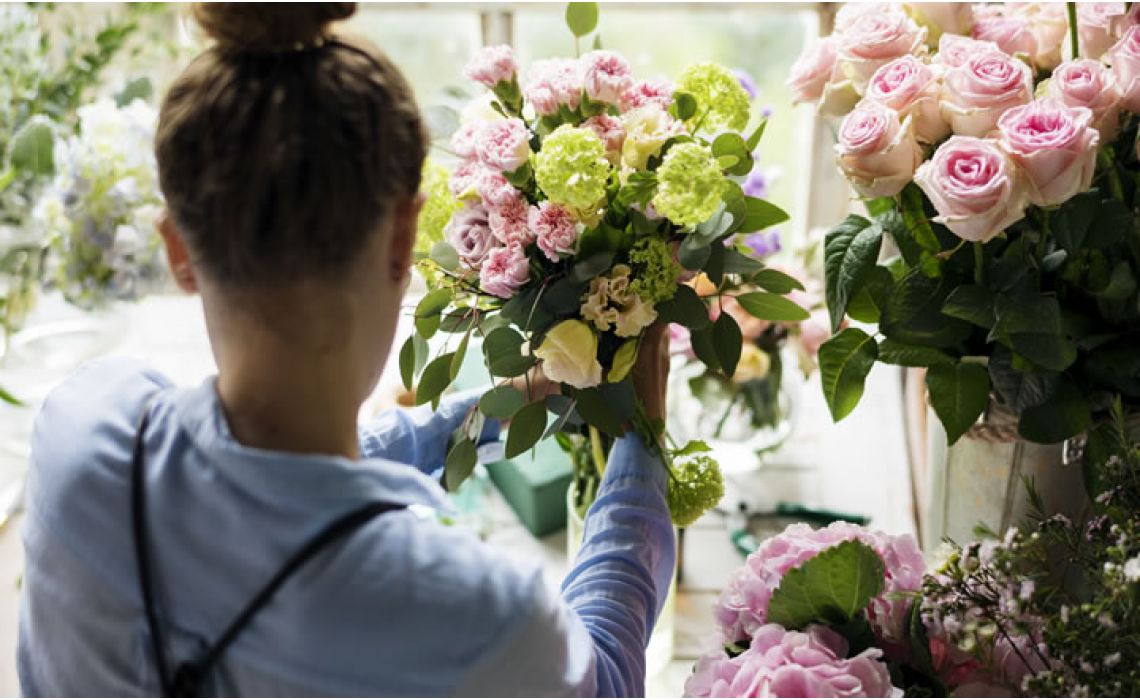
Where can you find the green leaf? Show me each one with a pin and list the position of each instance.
(503, 351)
(830, 588)
(757, 134)
(714, 266)
(719, 224)
(436, 377)
(760, 214)
(31, 148)
(9, 398)
(460, 462)
(136, 89)
(408, 362)
(1031, 327)
(684, 106)
(429, 309)
(868, 304)
(704, 347)
(582, 17)
(693, 254)
(693, 447)
(1071, 221)
(624, 359)
(971, 303)
(1116, 364)
(527, 426)
(913, 214)
(1019, 389)
(913, 313)
(893, 352)
(772, 307)
(732, 145)
(606, 407)
(1064, 414)
(592, 266)
(737, 263)
(685, 308)
(597, 42)
(844, 362)
(775, 281)
(959, 393)
(445, 256)
(852, 249)
(728, 342)
(459, 355)
(501, 402)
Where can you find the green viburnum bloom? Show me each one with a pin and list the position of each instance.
(437, 209)
(719, 94)
(698, 487)
(655, 270)
(572, 170)
(690, 185)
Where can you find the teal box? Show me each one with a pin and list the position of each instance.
(535, 484)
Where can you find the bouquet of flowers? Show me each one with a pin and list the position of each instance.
(582, 199)
(999, 159)
(1048, 609)
(98, 213)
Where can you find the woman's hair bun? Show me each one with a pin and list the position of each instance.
(269, 27)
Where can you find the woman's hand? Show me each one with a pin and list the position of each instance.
(651, 372)
(535, 385)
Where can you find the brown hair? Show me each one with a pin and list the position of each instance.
(282, 147)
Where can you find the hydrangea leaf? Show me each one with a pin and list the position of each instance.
(830, 588)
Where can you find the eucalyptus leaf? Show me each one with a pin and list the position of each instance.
(460, 462)
(428, 311)
(731, 144)
(436, 377)
(444, 255)
(527, 427)
(684, 105)
(844, 362)
(502, 402)
(408, 362)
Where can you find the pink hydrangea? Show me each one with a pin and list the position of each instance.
(510, 223)
(492, 65)
(552, 82)
(606, 76)
(504, 270)
(503, 144)
(465, 178)
(646, 92)
(783, 664)
(494, 189)
(555, 229)
(743, 605)
(610, 131)
(469, 233)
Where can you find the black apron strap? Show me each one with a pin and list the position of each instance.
(186, 680)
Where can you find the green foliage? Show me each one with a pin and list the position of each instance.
(581, 17)
(460, 462)
(844, 362)
(851, 250)
(832, 588)
(527, 427)
(772, 307)
(959, 394)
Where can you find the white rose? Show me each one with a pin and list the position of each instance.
(569, 355)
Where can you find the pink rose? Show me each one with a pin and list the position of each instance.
(465, 178)
(510, 222)
(877, 153)
(974, 186)
(1012, 33)
(1054, 145)
(552, 82)
(1050, 26)
(469, 233)
(504, 270)
(494, 189)
(875, 38)
(786, 664)
(812, 70)
(942, 18)
(911, 88)
(555, 229)
(978, 92)
(1124, 58)
(954, 50)
(606, 76)
(503, 144)
(1098, 24)
(657, 92)
(492, 65)
(611, 132)
(814, 332)
(1088, 83)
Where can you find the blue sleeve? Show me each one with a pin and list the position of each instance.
(419, 436)
(625, 566)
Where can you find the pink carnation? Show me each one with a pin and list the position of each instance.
(492, 65)
(552, 82)
(494, 189)
(555, 229)
(742, 608)
(470, 234)
(646, 92)
(509, 222)
(783, 664)
(611, 132)
(504, 270)
(463, 141)
(503, 144)
(465, 177)
(606, 76)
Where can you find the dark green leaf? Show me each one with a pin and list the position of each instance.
(501, 402)
(777, 282)
(772, 307)
(685, 308)
(714, 266)
(429, 309)
(868, 304)
(460, 462)
(757, 134)
(913, 214)
(913, 314)
(761, 214)
(1031, 327)
(1070, 222)
(893, 352)
(959, 393)
(693, 255)
(582, 17)
(1064, 414)
(606, 407)
(728, 341)
(737, 263)
(971, 303)
(1019, 389)
(503, 351)
(408, 362)
(852, 248)
(844, 362)
(704, 347)
(592, 266)
(684, 105)
(1116, 365)
(527, 427)
(459, 355)
(830, 588)
(436, 377)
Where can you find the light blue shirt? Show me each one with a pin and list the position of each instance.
(403, 606)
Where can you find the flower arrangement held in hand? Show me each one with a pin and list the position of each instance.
(583, 197)
(997, 151)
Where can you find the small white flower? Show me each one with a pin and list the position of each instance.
(1132, 569)
(1112, 659)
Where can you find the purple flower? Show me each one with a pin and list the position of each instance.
(747, 83)
(763, 243)
(756, 184)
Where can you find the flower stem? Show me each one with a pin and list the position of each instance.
(1073, 37)
(1107, 160)
(597, 451)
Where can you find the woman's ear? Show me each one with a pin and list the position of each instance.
(404, 236)
(176, 253)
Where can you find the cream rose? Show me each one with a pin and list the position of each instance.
(812, 70)
(1050, 27)
(974, 186)
(569, 355)
(1098, 26)
(941, 18)
(877, 153)
(874, 38)
(911, 88)
(754, 364)
(1054, 145)
(1088, 83)
(978, 92)
(646, 131)
(1125, 61)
